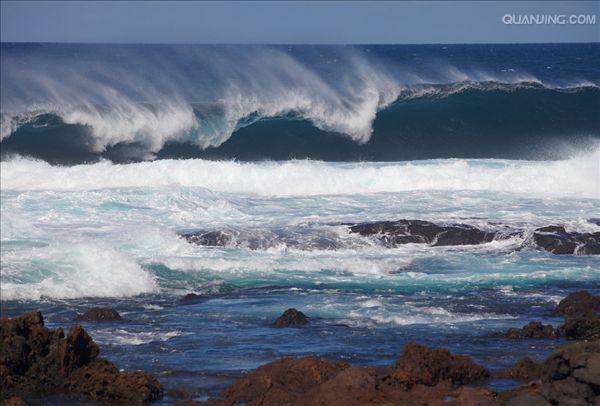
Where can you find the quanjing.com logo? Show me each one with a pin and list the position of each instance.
(549, 19)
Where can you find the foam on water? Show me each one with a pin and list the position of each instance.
(575, 177)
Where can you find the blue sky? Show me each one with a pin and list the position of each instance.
(290, 22)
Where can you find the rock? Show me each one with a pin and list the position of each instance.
(534, 329)
(208, 238)
(578, 303)
(99, 314)
(472, 396)
(15, 401)
(525, 368)
(394, 233)
(525, 395)
(420, 365)
(571, 376)
(584, 327)
(595, 221)
(291, 317)
(282, 381)
(190, 297)
(557, 240)
(36, 361)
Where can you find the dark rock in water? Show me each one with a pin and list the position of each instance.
(595, 221)
(208, 238)
(291, 317)
(36, 361)
(534, 329)
(420, 365)
(557, 240)
(394, 233)
(578, 303)
(583, 327)
(525, 368)
(281, 382)
(190, 297)
(571, 376)
(99, 314)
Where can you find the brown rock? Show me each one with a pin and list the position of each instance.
(15, 401)
(525, 368)
(578, 303)
(571, 376)
(282, 381)
(525, 395)
(291, 317)
(534, 329)
(586, 327)
(420, 365)
(36, 361)
(99, 314)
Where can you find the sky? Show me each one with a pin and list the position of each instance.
(292, 22)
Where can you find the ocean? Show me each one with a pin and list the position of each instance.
(111, 152)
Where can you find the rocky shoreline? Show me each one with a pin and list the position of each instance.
(390, 234)
(37, 362)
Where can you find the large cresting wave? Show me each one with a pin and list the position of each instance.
(81, 103)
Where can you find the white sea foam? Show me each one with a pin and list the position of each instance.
(578, 177)
(64, 270)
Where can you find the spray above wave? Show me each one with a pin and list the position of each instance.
(201, 96)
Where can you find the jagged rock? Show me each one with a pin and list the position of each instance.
(525, 368)
(394, 233)
(36, 361)
(282, 381)
(583, 327)
(99, 314)
(578, 303)
(208, 238)
(557, 240)
(595, 221)
(420, 365)
(534, 329)
(571, 376)
(291, 317)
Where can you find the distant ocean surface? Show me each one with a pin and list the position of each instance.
(110, 152)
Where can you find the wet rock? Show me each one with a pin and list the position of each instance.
(578, 303)
(36, 361)
(291, 317)
(394, 233)
(208, 238)
(557, 240)
(472, 396)
(420, 365)
(571, 376)
(582, 327)
(525, 368)
(190, 297)
(525, 395)
(281, 382)
(15, 401)
(595, 221)
(534, 329)
(99, 314)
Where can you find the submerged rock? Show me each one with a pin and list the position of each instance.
(291, 317)
(557, 240)
(534, 329)
(394, 233)
(36, 361)
(99, 314)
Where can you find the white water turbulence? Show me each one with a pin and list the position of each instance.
(578, 176)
